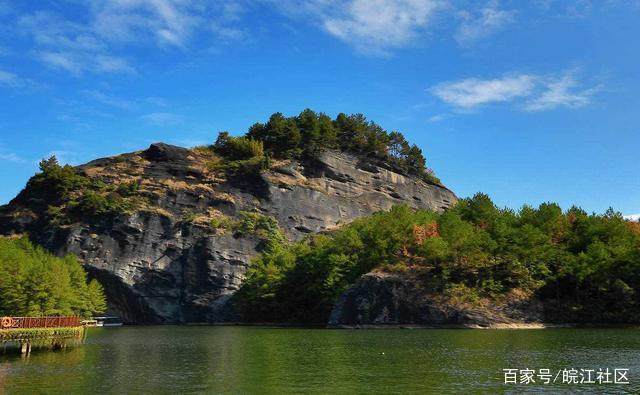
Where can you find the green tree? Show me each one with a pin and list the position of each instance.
(328, 136)
(309, 126)
(49, 165)
(238, 148)
(310, 133)
(280, 135)
(582, 267)
(35, 283)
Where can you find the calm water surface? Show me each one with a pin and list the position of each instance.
(195, 359)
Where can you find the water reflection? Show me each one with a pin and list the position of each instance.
(169, 359)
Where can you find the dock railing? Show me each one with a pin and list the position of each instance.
(39, 322)
(39, 332)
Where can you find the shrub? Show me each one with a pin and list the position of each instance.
(95, 205)
(203, 149)
(238, 148)
(189, 217)
(56, 215)
(128, 189)
(265, 227)
(215, 163)
(69, 195)
(246, 168)
(459, 293)
(221, 222)
(54, 184)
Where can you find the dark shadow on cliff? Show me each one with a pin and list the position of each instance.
(121, 301)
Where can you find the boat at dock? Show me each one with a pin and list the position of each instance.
(107, 321)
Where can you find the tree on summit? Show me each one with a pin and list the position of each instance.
(50, 164)
(309, 133)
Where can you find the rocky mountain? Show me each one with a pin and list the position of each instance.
(380, 298)
(159, 228)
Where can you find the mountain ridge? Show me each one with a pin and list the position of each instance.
(170, 231)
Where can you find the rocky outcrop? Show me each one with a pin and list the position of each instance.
(166, 262)
(155, 269)
(400, 299)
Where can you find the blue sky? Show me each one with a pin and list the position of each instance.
(527, 101)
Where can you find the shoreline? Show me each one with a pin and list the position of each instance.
(514, 325)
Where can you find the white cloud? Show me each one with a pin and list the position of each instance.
(569, 9)
(61, 60)
(10, 79)
(107, 103)
(373, 27)
(77, 62)
(632, 217)
(109, 100)
(485, 22)
(169, 22)
(561, 93)
(228, 34)
(162, 118)
(51, 30)
(533, 92)
(13, 80)
(113, 64)
(225, 25)
(7, 155)
(94, 42)
(70, 46)
(437, 117)
(11, 157)
(157, 101)
(376, 26)
(473, 92)
(91, 44)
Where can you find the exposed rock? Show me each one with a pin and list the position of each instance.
(164, 152)
(394, 299)
(166, 263)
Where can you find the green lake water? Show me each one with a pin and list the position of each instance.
(219, 359)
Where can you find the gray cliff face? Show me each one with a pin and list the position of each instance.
(156, 270)
(339, 189)
(165, 263)
(400, 299)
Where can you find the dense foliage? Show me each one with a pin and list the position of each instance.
(251, 223)
(35, 283)
(585, 267)
(65, 194)
(309, 133)
(238, 148)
